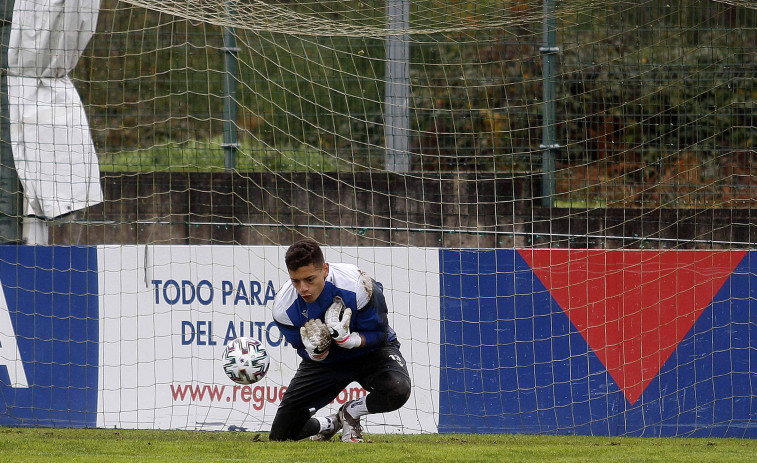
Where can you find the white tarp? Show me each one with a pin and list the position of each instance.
(52, 146)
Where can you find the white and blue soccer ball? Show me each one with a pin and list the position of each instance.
(245, 360)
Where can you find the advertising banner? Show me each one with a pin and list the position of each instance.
(49, 336)
(169, 311)
(596, 342)
(599, 342)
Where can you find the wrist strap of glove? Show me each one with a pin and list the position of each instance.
(318, 356)
(351, 341)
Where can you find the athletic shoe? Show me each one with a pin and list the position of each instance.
(326, 435)
(351, 429)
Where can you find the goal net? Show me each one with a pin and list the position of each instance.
(557, 197)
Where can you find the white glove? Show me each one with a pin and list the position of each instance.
(316, 338)
(338, 318)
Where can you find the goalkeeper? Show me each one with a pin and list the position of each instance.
(336, 317)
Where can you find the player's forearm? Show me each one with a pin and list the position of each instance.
(373, 338)
(292, 335)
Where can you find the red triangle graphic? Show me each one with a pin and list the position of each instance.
(633, 307)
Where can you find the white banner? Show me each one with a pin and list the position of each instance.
(168, 311)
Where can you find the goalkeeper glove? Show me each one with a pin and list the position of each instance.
(338, 318)
(316, 338)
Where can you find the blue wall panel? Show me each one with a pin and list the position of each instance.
(512, 361)
(52, 298)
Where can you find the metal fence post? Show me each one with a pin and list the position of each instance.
(230, 129)
(397, 98)
(10, 186)
(549, 51)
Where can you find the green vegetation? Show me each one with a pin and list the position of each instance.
(209, 156)
(655, 100)
(98, 445)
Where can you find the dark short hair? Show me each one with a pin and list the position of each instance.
(303, 253)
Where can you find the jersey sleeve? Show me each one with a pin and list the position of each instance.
(372, 314)
(282, 305)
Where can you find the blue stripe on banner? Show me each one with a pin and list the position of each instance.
(52, 297)
(512, 361)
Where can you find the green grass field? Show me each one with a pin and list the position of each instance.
(117, 445)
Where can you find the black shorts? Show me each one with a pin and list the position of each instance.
(316, 384)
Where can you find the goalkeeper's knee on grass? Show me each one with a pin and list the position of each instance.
(293, 425)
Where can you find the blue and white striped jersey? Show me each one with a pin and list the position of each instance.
(360, 293)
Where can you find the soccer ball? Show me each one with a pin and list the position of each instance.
(245, 360)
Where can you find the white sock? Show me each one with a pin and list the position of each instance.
(357, 408)
(327, 424)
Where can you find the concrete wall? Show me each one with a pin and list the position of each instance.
(375, 209)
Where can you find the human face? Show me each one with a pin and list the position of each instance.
(309, 281)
